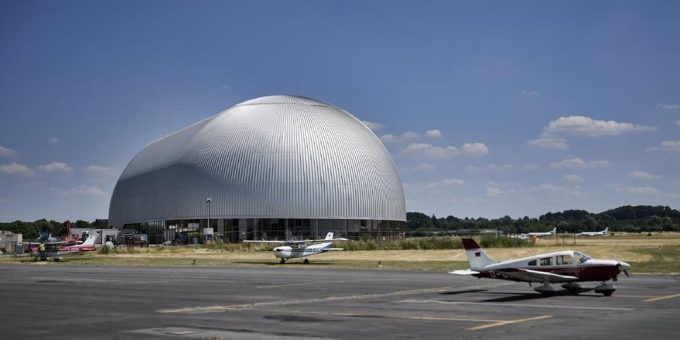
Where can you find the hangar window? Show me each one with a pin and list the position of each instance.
(546, 261)
(532, 263)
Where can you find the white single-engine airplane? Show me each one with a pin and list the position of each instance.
(604, 232)
(294, 249)
(545, 234)
(566, 267)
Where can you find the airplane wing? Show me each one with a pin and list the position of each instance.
(535, 275)
(332, 239)
(464, 272)
(263, 241)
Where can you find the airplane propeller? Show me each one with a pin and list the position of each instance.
(625, 271)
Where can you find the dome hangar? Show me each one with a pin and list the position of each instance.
(270, 168)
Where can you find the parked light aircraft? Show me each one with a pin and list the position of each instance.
(300, 248)
(604, 232)
(53, 249)
(566, 267)
(540, 234)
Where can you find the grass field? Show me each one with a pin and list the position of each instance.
(659, 253)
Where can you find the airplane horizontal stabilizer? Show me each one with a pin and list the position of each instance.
(464, 272)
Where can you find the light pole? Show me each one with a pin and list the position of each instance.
(208, 200)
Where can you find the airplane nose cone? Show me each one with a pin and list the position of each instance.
(624, 266)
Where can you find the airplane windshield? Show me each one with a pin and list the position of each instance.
(581, 257)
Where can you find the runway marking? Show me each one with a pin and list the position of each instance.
(320, 282)
(489, 323)
(516, 305)
(659, 298)
(509, 322)
(223, 308)
(403, 317)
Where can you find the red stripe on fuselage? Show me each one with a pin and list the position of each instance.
(585, 273)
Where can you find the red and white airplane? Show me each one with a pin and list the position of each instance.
(88, 245)
(566, 267)
(54, 249)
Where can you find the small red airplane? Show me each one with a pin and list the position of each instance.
(566, 267)
(53, 249)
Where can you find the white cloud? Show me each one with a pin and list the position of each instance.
(98, 170)
(530, 93)
(669, 106)
(430, 151)
(372, 125)
(54, 140)
(406, 136)
(434, 133)
(578, 163)
(586, 126)
(677, 122)
(572, 178)
(424, 150)
(15, 168)
(646, 190)
(671, 146)
(7, 152)
(445, 183)
(474, 149)
(489, 167)
(555, 143)
(81, 190)
(55, 167)
(448, 182)
(642, 175)
(494, 189)
(422, 167)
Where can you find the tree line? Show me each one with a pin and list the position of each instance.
(31, 230)
(641, 218)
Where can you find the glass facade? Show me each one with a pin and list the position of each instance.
(236, 230)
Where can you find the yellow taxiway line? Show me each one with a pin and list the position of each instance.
(508, 322)
(659, 298)
(488, 323)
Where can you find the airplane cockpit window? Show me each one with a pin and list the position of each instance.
(532, 263)
(581, 257)
(546, 261)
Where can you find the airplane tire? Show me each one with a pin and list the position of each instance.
(546, 294)
(608, 293)
(306, 261)
(282, 261)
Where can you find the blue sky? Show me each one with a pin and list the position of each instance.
(488, 108)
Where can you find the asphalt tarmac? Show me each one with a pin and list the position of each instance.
(293, 301)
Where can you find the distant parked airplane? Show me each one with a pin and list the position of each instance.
(539, 234)
(294, 249)
(604, 232)
(567, 267)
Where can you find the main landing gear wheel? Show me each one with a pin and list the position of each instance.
(573, 288)
(306, 261)
(282, 261)
(606, 289)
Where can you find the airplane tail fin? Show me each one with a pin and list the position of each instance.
(476, 256)
(554, 231)
(606, 230)
(90, 240)
(329, 236)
